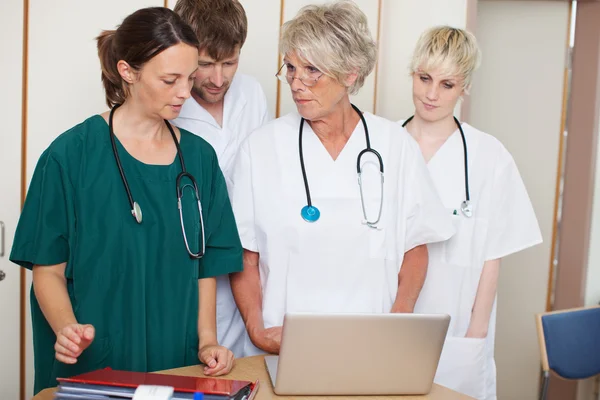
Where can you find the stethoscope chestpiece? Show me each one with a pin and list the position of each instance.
(310, 213)
(466, 208)
(137, 212)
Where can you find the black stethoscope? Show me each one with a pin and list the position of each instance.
(311, 213)
(465, 206)
(136, 211)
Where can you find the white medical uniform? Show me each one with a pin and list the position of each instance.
(503, 223)
(336, 264)
(244, 109)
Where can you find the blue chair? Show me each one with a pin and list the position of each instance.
(569, 344)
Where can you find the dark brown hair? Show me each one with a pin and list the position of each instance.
(142, 35)
(220, 25)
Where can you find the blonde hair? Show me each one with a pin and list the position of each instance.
(333, 37)
(452, 49)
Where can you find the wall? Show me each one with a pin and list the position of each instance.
(11, 48)
(517, 97)
(402, 22)
(592, 292)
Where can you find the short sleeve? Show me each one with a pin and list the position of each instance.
(512, 226)
(426, 219)
(242, 198)
(223, 253)
(43, 232)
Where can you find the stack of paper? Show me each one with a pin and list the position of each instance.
(112, 384)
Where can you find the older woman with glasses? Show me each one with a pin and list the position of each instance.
(322, 230)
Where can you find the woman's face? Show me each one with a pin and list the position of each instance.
(164, 83)
(435, 94)
(323, 93)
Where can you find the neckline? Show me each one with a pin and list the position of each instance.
(122, 150)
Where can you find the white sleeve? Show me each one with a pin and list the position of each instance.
(513, 225)
(426, 220)
(242, 198)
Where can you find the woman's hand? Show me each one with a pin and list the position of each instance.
(71, 341)
(218, 360)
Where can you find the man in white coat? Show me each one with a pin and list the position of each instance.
(223, 109)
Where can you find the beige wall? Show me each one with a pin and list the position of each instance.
(11, 48)
(402, 22)
(517, 97)
(592, 292)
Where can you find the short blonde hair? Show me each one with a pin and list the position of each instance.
(333, 37)
(452, 49)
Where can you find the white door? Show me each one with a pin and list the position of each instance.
(11, 70)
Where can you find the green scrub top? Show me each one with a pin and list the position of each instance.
(135, 283)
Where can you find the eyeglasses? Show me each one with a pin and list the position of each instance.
(308, 79)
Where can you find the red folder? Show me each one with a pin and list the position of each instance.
(186, 384)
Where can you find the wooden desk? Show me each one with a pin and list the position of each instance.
(253, 368)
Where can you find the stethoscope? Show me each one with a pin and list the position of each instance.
(136, 211)
(309, 212)
(465, 206)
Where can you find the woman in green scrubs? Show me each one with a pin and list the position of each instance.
(109, 291)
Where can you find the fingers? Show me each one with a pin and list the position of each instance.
(71, 341)
(206, 357)
(71, 332)
(87, 336)
(65, 346)
(88, 332)
(223, 362)
(65, 359)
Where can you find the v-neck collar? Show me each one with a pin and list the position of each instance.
(233, 104)
(449, 142)
(310, 138)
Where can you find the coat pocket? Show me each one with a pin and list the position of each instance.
(462, 366)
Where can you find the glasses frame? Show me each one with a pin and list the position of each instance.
(285, 79)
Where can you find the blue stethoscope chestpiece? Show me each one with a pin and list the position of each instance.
(466, 208)
(310, 213)
(137, 212)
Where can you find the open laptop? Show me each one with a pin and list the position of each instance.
(358, 354)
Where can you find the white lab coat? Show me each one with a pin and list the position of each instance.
(244, 109)
(503, 223)
(335, 264)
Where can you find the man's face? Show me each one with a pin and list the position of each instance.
(213, 78)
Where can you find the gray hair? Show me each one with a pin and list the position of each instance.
(333, 37)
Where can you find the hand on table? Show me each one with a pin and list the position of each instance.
(217, 360)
